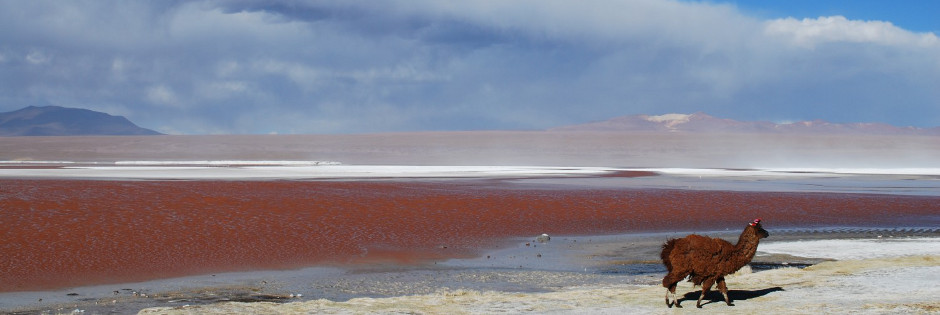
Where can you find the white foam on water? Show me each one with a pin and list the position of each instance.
(792, 172)
(26, 162)
(299, 168)
(283, 170)
(227, 163)
(863, 171)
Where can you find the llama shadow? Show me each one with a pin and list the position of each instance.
(714, 296)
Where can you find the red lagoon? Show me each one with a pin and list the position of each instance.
(61, 233)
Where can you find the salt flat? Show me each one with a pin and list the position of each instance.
(541, 148)
(895, 281)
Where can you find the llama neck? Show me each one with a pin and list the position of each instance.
(746, 247)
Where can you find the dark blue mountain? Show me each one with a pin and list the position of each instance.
(64, 121)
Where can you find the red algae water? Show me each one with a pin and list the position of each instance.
(61, 233)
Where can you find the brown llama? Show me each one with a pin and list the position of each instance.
(707, 260)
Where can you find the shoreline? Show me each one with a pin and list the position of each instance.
(514, 270)
(880, 181)
(818, 289)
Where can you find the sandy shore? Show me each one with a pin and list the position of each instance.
(896, 281)
(569, 274)
(872, 286)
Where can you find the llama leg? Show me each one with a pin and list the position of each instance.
(667, 283)
(670, 281)
(668, 301)
(675, 300)
(707, 285)
(723, 287)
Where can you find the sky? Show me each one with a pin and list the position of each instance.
(348, 66)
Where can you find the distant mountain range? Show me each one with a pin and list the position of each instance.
(63, 121)
(700, 122)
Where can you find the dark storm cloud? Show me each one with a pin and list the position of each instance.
(348, 66)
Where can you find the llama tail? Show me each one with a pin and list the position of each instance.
(664, 255)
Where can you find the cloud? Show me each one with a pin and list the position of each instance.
(810, 32)
(218, 66)
(162, 95)
(37, 58)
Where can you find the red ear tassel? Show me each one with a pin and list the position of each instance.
(756, 222)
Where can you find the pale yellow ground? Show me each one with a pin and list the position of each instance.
(900, 285)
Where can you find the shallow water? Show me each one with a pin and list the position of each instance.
(73, 232)
(380, 238)
(766, 181)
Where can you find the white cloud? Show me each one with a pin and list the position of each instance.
(37, 58)
(811, 32)
(227, 68)
(162, 95)
(199, 21)
(223, 89)
(356, 66)
(119, 68)
(597, 20)
(300, 74)
(401, 72)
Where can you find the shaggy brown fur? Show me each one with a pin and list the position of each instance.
(707, 260)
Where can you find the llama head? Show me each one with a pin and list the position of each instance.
(758, 229)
